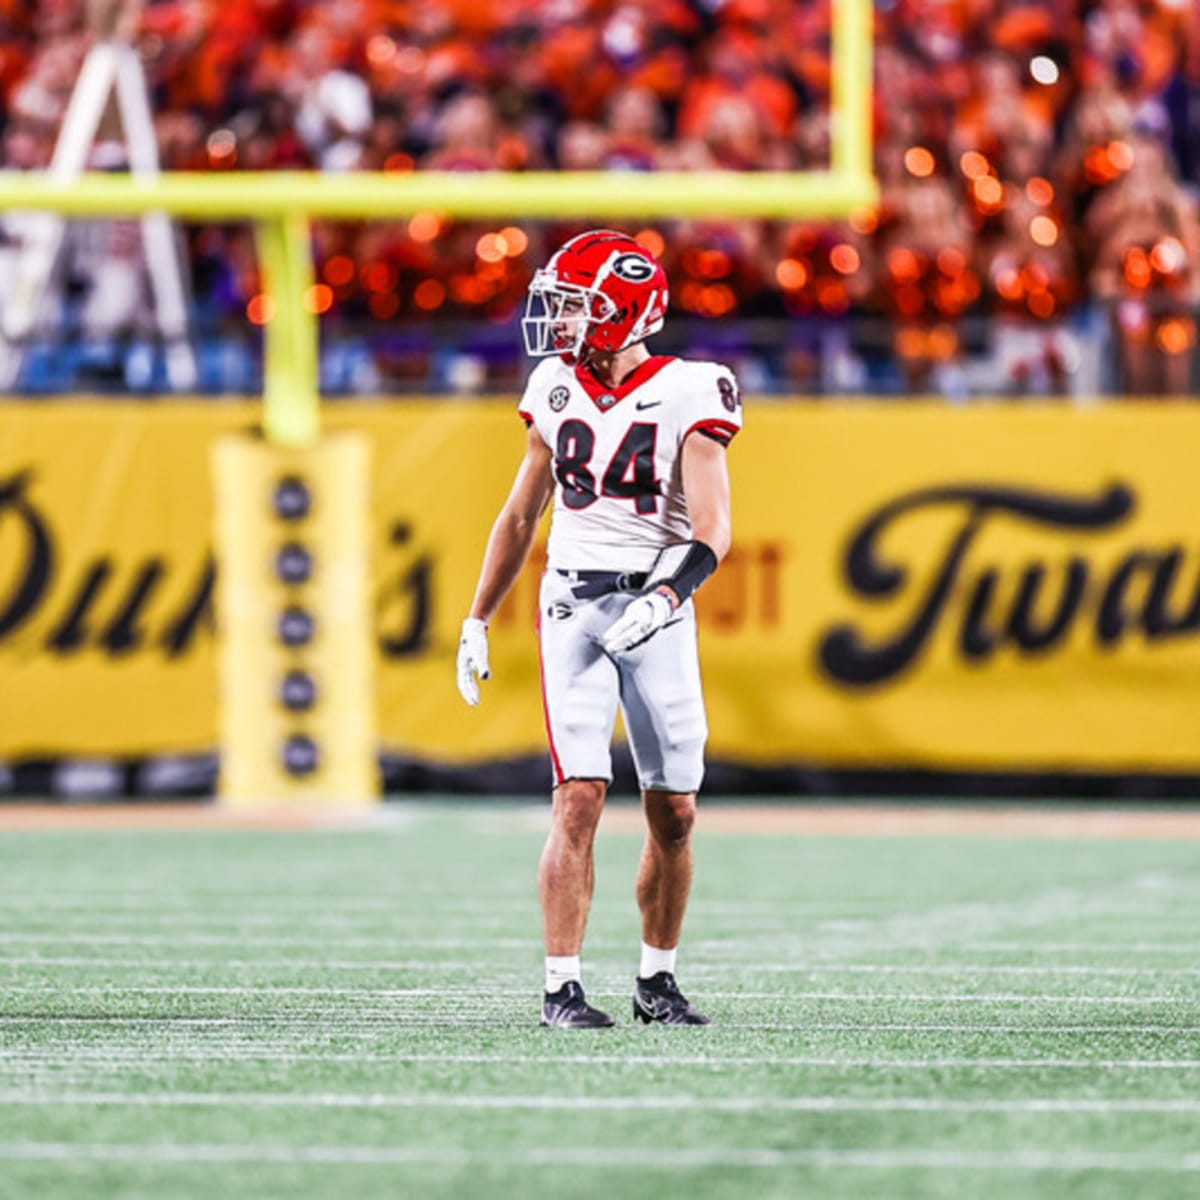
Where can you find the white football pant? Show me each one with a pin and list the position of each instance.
(656, 684)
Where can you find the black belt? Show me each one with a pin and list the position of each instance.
(590, 584)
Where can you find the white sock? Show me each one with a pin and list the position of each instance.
(560, 969)
(655, 960)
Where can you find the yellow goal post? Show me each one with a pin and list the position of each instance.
(281, 203)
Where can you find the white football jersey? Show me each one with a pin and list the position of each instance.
(618, 494)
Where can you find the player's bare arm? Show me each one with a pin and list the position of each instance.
(706, 486)
(681, 569)
(512, 534)
(507, 549)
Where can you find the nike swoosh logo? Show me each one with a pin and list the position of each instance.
(654, 1007)
(643, 404)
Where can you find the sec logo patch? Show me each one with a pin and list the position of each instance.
(558, 399)
(560, 611)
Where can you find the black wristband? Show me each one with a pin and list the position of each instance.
(682, 568)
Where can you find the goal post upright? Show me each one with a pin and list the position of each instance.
(254, 657)
(850, 107)
(291, 391)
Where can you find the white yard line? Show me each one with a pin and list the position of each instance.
(461, 997)
(817, 947)
(175, 901)
(159, 905)
(624, 1158)
(478, 966)
(366, 1026)
(17, 1097)
(129, 1057)
(103, 937)
(1101, 946)
(958, 968)
(164, 903)
(771, 921)
(153, 917)
(973, 920)
(1054, 906)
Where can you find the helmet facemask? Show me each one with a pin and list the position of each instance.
(559, 316)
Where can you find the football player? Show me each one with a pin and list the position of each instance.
(630, 447)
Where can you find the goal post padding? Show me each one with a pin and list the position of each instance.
(294, 602)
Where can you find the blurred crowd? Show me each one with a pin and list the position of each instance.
(1039, 164)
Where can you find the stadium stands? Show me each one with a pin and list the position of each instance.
(1039, 167)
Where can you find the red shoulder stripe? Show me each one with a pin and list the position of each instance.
(715, 428)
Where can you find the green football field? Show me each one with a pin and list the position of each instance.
(232, 1013)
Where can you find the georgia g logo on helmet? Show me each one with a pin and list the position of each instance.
(633, 267)
(601, 291)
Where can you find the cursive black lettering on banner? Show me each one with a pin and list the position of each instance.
(103, 604)
(412, 592)
(846, 652)
(73, 631)
(1158, 620)
(126, 631)
(197, 613)
(1023, 629)
(35, 573)
(979, 638)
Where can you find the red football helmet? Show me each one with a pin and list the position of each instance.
(600, 289)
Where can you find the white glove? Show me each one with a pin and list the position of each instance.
(642, 617)
(472, 659)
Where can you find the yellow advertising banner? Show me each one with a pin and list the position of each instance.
(106, 577)
(1001, 587)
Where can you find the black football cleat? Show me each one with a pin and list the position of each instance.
(659, 999)
(567, 1009)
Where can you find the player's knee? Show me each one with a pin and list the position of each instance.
(577, 805)
(671, 816)
(680, 770)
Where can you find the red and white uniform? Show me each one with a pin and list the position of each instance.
(618, 500)
(618, 497)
